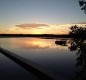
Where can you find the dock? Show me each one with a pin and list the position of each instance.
(40, 72)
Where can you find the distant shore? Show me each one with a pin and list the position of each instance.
(34, 35)
(40, 35)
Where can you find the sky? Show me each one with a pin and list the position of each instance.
(38, 16)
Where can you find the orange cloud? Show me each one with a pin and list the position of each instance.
(31, 25)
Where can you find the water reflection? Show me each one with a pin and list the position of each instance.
(79, 45)
(54, 57)
(30, 43)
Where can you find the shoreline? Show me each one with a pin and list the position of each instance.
(46, 36)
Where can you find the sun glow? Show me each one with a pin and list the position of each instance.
(36, 31)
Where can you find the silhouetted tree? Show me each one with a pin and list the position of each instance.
(82, 4)
(76, 31)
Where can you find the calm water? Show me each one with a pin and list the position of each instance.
(54, 57)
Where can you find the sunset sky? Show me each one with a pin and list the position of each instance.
(39, 16)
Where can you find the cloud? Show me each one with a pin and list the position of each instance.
(31, 25)
(81, 23)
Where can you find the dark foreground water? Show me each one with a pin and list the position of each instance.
(57, 58)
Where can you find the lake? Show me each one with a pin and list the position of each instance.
(57, 58)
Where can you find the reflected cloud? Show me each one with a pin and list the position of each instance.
(30, 43)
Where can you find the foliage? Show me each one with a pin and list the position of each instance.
(82, 4)
(77, 31)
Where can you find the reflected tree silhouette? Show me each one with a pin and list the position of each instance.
(79, 45)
